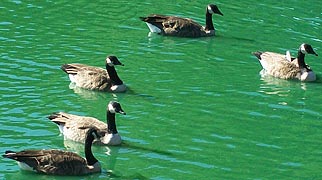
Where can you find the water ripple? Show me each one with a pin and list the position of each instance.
(166, 158)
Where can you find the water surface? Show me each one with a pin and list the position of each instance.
(196, 108)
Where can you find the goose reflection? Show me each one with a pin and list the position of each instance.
(87, 94)
(280, 87)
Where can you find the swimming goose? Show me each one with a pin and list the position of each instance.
(58, 162)
(74, 127)
(284, 67)
(95, 78)
(182, 27)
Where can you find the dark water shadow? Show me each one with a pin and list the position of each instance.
(95, 95)
(136, 176)
(236, 39)
(138, 147)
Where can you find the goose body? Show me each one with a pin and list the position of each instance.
(285, 66)
(182, 27)
(58, 162)
(74, 127)
(96, 78)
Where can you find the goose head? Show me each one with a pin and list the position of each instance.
(115, 107)
(94, 133)
(113, 61)
(213, 9)
(112, 137)
(307, 49)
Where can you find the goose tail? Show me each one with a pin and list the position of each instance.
(154, 22)
(9, 154)
(59, 120)
(69, 69)
(54, 116)
(153, 18)
(257, 54)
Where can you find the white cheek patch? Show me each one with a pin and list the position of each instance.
(109, 62)
(111, 108)
(303, 49)
(210, 10)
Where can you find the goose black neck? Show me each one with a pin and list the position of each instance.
(111, 125)
(300, 59)
(113, 75)
(88, 149)
(209, 24)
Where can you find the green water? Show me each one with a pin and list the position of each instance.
(196, 108)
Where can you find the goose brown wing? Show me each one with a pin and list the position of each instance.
(94, 80)
(29, 157)
(71, 120)
(271, 56)
(76, 68)
(76, 126)
(62, 163)
(174, 26)
(88, 77)
(278, 66)
(184, 27)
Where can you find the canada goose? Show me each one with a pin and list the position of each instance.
(73, 127)
(58, 162)
(286, 67)
(183, 27)
(95, 78)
